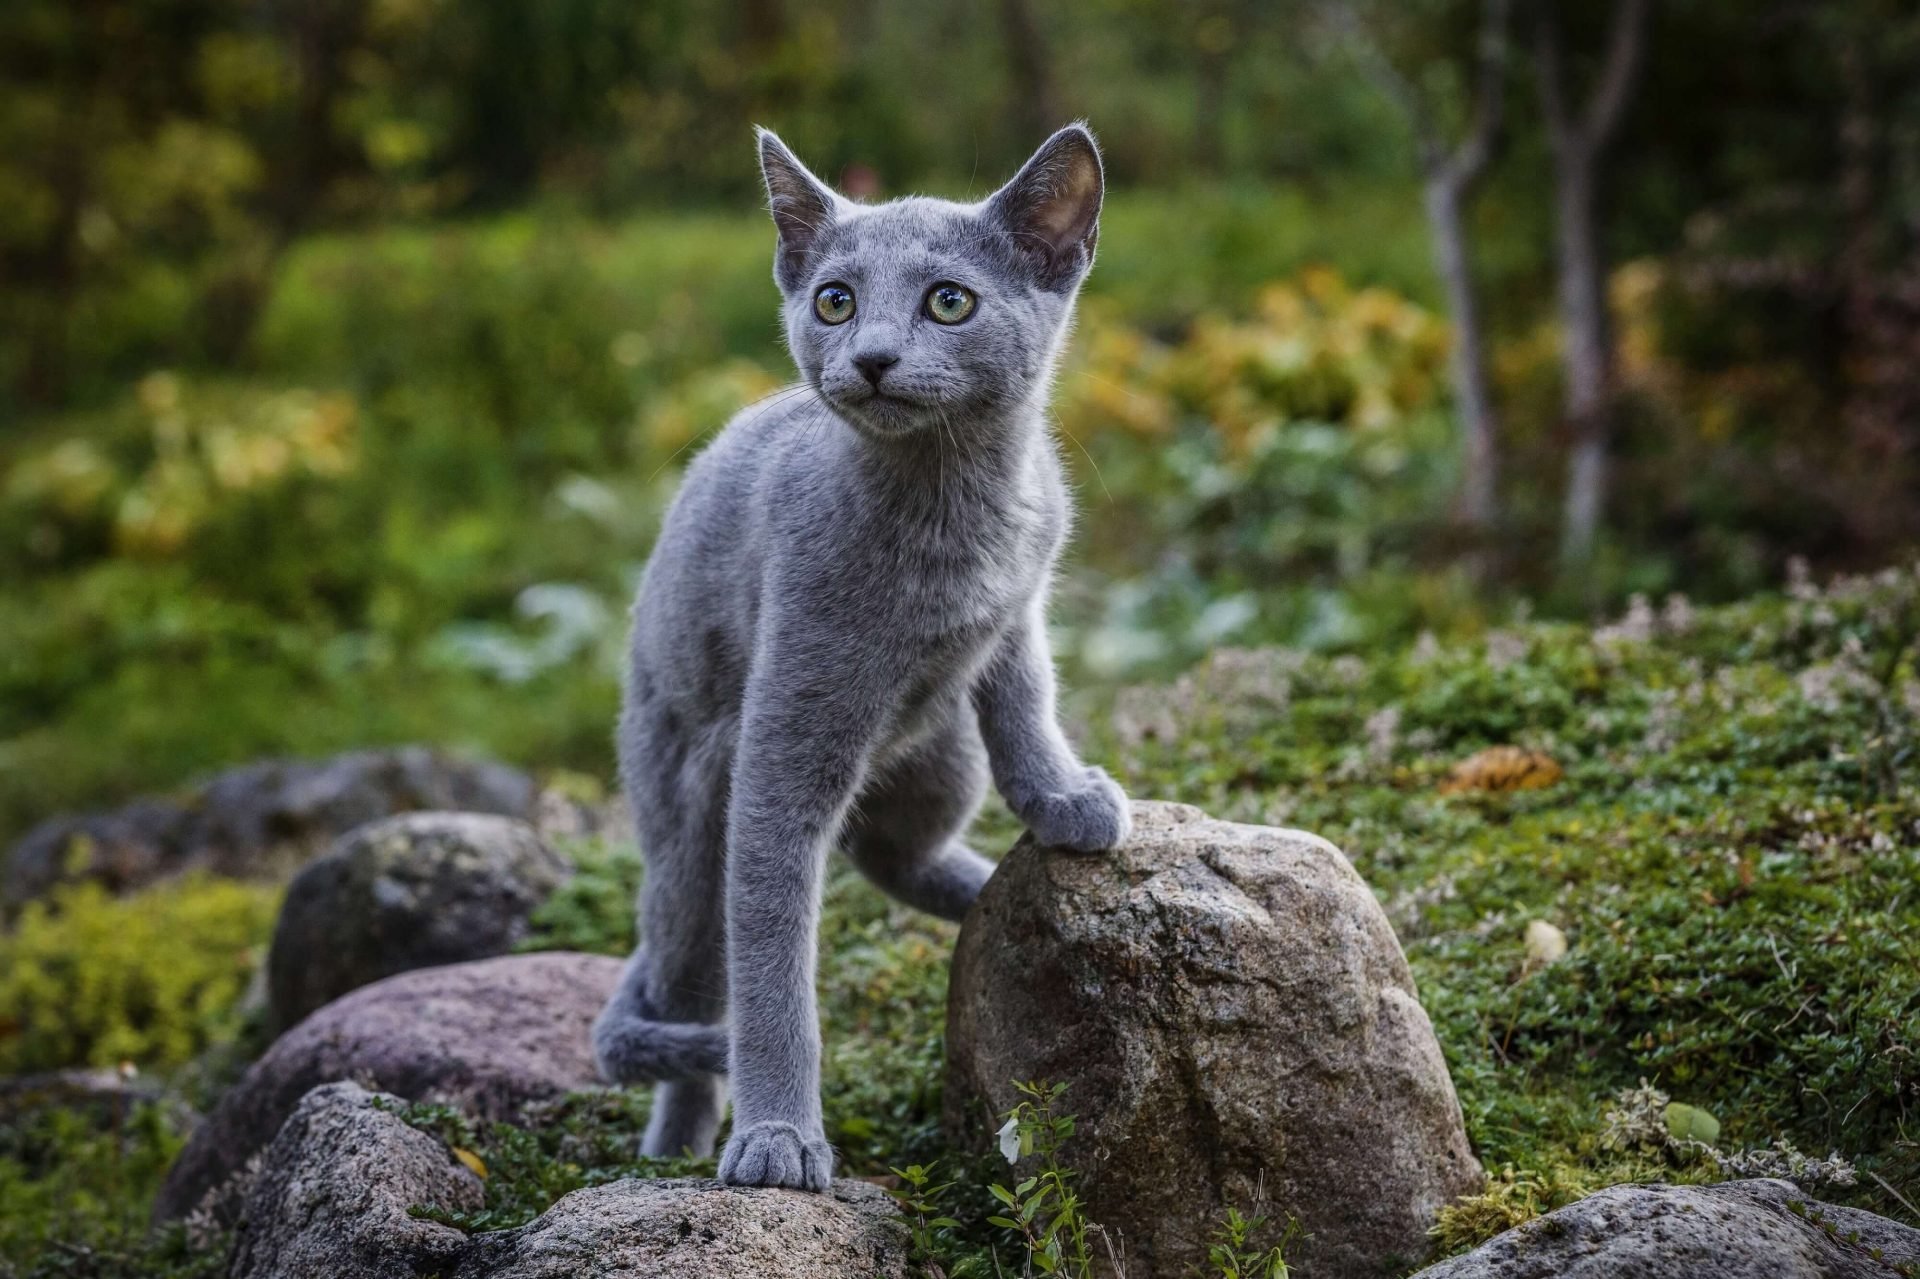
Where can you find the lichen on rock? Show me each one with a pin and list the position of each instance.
(333, 1194)
(412, 891)
(1760, 1229)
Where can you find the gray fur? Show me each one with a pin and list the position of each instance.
(841, 635)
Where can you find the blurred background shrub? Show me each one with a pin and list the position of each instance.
(79, 985)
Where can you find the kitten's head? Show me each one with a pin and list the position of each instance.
(919, 312)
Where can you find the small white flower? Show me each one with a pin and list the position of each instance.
(1010, 1140)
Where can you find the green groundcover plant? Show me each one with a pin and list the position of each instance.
(1685, 947)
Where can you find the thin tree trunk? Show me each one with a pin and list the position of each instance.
(1587, 355)
(1218, 28)
(1449, 178)
(1579, 141)
(763, 25)
(1209, 111)
(1479, 423)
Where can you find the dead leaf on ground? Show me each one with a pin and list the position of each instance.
(1502, 768)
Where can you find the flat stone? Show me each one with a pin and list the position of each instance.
(700, 1229)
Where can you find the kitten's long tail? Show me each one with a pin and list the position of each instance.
(633, 1050)
(632, 1045)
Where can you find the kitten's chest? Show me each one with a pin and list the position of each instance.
(966, 575)
(962, 600)
(922, 574)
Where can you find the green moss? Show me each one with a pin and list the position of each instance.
(1731, 854)
(593, 910)
(585, 1139)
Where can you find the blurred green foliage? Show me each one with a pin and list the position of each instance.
(87, 979)
(79, 1184)
(420, 517)
(348, 352)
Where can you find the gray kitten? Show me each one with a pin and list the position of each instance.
(842, 631)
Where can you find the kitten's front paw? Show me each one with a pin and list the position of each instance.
(1091, 816)
(776, 1154)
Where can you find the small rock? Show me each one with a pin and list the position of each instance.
(262, 820)
(1546, 944)
(699, 1229)
(494, 1036)
(332, 1192)
(1763, 1229)
(1230, 1010)
(414, 891)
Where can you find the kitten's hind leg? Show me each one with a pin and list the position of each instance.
(905, 832)
(642, 1038)
(666, 1022)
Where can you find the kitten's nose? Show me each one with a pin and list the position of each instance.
(874, 364)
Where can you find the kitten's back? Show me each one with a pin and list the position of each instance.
(695, 616)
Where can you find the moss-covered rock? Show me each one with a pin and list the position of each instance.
(332, 1195)
(409, 892)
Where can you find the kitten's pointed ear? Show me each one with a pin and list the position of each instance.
(1052, 206)
(803, 206)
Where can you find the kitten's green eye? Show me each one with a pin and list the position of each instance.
(834, 303)
(949, 303)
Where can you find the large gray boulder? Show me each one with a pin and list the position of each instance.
(1763, 1229)
(697, 1229)
(414, 891)
(331, 1196)
(496, 1037)
(1229, 1009)
(262, 820)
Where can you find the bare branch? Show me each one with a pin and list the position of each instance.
(1475, 151)
(1625, 46)
(1380, 68)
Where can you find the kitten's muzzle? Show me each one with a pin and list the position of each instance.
(873, 365)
